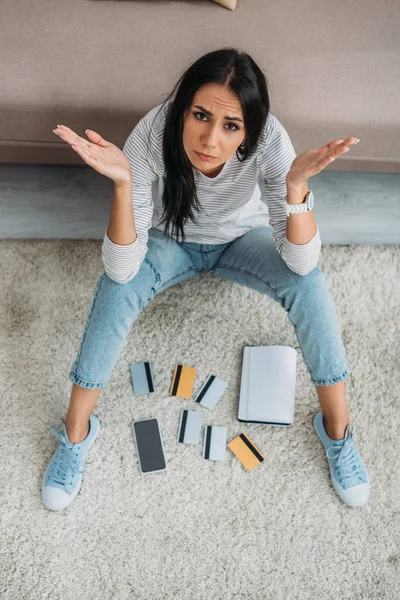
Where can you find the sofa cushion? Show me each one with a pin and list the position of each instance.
(331, 73)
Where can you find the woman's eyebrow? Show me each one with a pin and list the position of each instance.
(207, 112)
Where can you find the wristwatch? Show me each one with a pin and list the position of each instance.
(306, 205)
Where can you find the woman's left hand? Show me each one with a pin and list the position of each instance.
(314, 161)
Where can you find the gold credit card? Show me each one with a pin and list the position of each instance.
(244, 449)
(183, 381)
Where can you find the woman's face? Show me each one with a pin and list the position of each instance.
(215, 135)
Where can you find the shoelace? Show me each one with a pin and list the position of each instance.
(66, 457)
(348, 462)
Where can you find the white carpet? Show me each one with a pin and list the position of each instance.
(202, 530)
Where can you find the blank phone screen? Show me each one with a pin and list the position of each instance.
(149, 447)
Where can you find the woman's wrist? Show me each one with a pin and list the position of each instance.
(123, 183)
(296, 192)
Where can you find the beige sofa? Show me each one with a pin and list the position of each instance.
(333, 70)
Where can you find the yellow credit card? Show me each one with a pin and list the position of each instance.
(183, 381)
(244, 449)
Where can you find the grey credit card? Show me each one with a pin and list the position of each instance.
(189, 427)
(142, 378)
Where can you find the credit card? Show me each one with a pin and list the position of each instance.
(189, 427)
(142, 378)
(244, 449)
(214, 442)
(211, 391)
(183, 381)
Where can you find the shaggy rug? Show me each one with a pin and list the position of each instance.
(202, 529)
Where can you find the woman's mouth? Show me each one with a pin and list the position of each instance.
(205, 156)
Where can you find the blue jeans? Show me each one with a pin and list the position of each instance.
(251, 260)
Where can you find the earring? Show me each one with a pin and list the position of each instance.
(242, 145)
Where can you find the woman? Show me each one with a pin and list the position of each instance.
(219, 107)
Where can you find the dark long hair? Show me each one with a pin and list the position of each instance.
(238, 72)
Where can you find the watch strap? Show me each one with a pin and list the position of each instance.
(297, 208)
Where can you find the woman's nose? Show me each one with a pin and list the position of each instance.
(210, 140)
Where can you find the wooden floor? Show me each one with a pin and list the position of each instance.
(53, 201)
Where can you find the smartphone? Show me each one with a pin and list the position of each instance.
(149, 445)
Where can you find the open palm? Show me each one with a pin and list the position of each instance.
(313, 161)
(103, 156)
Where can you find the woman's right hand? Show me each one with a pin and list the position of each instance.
(103, 156)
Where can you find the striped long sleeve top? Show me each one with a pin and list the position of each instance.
(232, 203)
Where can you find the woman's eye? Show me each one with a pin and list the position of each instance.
(198, 113)
(235, 127)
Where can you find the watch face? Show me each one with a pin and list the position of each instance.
(311, 200)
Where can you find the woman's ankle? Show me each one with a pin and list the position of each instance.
(76, 433)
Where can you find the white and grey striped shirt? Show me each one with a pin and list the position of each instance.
(232, 203)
